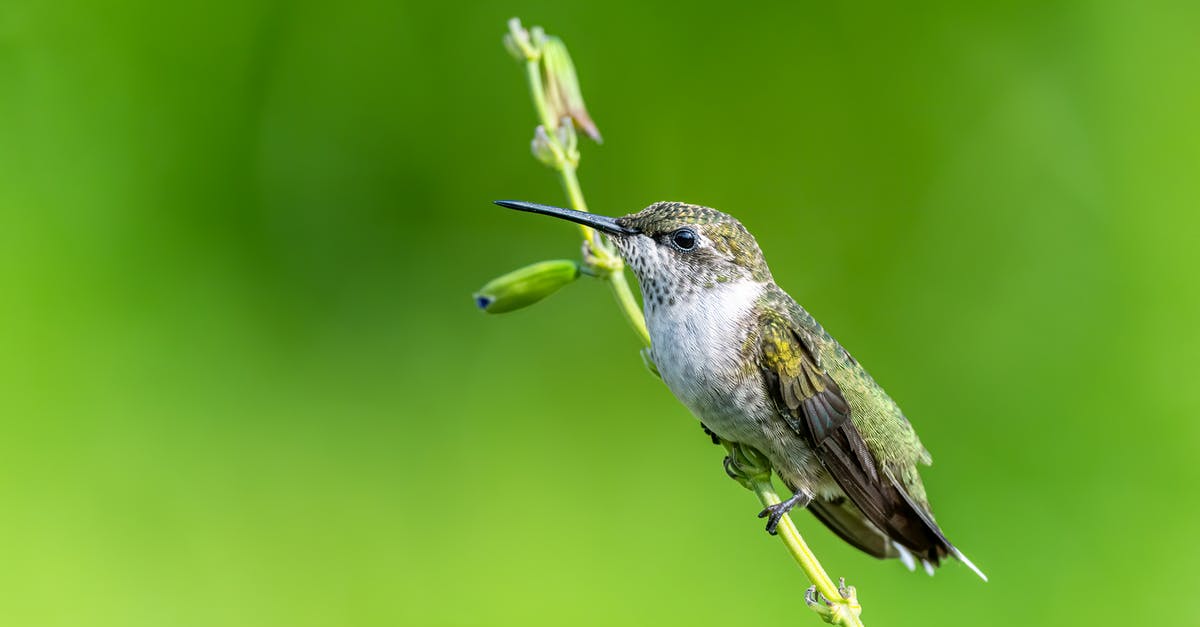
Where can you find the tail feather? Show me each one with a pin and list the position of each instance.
(942, 546)
(963, 558)
(851, 524)
(906, 557)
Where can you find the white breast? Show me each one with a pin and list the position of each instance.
(697, 344)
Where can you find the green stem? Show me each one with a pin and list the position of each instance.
(570, 184)
(808, 561)
(533, 75)
(533, 72)
(844, 610)
(616, 278)
(629, 306)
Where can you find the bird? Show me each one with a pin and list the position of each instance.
(758, 370)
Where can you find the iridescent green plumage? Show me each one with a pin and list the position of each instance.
(857, 431)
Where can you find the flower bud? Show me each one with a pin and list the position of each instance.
(526, 286)
(543, 149)
(518, 42)
(563, 95)
(567, 137)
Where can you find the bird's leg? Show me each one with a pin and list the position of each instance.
(775, 513)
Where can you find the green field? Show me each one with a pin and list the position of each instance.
(242, 381)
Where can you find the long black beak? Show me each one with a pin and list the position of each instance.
(603, 224)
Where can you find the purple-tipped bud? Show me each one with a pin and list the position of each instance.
(526, 286)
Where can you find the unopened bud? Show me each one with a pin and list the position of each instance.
(543, 149)
(563, 95)
(510, 44)
(518, 42)
(567, 137)
(526, 286)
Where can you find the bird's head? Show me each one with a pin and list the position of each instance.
(674, 248)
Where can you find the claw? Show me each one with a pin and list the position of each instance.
(775, 513)
(729, 468)
(746, 465)
(773, 516)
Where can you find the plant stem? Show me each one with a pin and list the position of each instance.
(615, 267)
(840, 610)
(533, 75)
(787, 530)
(616, 278)
(629, 306)
(808, 561)
(570, 183)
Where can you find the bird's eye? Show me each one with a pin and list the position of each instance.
(684, 239)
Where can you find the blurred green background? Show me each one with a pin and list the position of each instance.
(242, 381)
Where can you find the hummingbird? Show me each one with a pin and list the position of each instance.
(757, 370)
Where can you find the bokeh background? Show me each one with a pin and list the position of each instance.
(242, 381)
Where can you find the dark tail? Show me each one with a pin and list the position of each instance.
(939, 547)
(849, 523)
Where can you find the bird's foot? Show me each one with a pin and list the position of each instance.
(841, 611)
(775, 513)
(746, 465)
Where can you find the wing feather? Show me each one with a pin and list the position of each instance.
(813, 406)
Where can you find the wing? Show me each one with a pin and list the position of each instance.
(812, 404)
